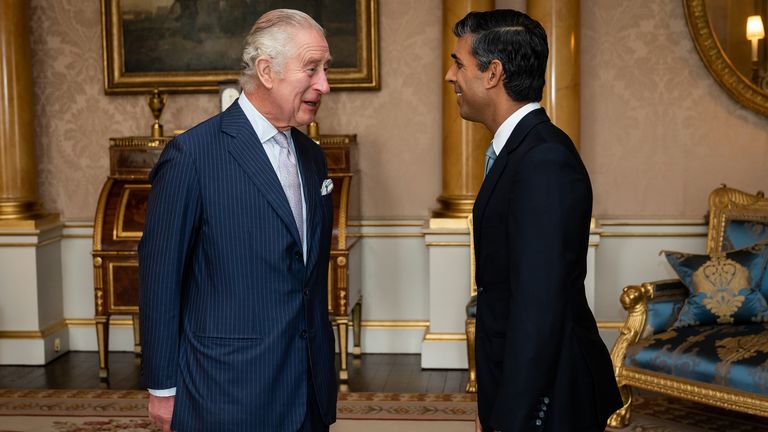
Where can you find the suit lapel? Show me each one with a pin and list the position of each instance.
(311, 185)
(513, 142)
(249, 153)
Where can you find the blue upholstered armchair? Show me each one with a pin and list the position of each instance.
(667, 344)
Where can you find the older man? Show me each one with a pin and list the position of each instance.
(233, 260)
(541, 365)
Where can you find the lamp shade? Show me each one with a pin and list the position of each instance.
(755, 28)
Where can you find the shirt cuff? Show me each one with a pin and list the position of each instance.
(163, 392)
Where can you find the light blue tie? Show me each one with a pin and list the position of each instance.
(289, 178)
(490, 158)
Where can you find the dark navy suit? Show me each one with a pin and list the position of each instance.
(230, 313)
(541, 365)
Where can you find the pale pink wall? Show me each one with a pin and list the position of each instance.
(398, 127)
(657, 132)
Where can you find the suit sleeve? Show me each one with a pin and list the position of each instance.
(164, 253)
(549, 194)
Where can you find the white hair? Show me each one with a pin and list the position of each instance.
(270, 37)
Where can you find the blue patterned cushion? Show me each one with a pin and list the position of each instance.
(723, 287)
(735, 356)
(742, 233)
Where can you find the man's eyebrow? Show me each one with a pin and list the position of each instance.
(455, 57)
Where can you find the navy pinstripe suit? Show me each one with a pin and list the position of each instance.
(230, 313)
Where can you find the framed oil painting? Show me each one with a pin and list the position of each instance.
(192, 45)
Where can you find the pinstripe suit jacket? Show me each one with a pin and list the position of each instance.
(230, 313)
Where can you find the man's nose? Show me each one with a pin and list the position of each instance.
(450, 76)
(321, 84)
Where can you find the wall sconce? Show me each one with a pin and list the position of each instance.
(755, 32)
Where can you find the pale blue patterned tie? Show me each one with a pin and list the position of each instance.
(490, 157)
(288, 173)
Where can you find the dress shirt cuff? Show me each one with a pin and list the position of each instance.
(163, 392)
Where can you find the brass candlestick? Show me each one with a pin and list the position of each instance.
(313, 131)
(156, 103)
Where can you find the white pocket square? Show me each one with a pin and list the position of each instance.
(327, 187)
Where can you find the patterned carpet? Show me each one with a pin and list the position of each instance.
(125, 410)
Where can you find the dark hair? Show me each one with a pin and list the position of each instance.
(518, 41)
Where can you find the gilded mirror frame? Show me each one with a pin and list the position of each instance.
(718, 64)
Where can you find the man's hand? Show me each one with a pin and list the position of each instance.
(478, 426)
(161, 410)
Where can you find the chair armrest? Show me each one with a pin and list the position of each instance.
(651, 308)
(663, 306)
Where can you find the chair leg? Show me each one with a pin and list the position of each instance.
(621, 417)
(102, 338)
(472, 368)
(356, 323)
(342, 326)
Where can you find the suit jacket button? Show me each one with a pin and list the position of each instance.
(306, 292)
(298, 255)
(303, 334)
(479, 289)
(541, 414)
(538, 422)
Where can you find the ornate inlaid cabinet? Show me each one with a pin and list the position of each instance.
(118, 227)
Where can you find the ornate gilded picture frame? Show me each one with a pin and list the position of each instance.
(186, 46)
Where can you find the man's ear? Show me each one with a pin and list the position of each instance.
(264, 71)
(494, 74)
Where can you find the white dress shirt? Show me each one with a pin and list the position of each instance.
(505, 130)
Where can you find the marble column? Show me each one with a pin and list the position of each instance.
(32, 326)
(464, 142)
(561, 98)
(18, 168)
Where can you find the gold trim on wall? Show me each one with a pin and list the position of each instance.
(445, 337)
(116, 81)
(610, 325)
(718, 64)
(34, 334)
(444, 244)
(653, 234)
(363, 223)
(396, 324)
(385, 234)
(89, 322)
(652, 222)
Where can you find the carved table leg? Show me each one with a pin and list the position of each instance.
(136, 336)
(102, 338)
(342, 325)
(356, 323)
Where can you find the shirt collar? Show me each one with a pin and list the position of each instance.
(263, 128)
(505, 130)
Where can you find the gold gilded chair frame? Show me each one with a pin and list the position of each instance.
(471, 323)
(725, 204)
